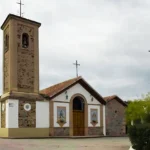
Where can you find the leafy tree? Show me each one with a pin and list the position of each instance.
(138, 112)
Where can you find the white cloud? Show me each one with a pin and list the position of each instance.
(109, 38)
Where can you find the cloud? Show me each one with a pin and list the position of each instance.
(109, 38)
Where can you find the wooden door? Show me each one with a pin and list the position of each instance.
(78, 123)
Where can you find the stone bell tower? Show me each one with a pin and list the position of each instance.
(20, 77)
(21, 55)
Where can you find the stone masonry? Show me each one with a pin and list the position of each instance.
(61, 131)
(95, 131)
(115, 118)
(27, 119)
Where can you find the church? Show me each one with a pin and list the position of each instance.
(70, 108)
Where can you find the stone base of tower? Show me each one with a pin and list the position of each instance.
(24, 132)
(22, 115)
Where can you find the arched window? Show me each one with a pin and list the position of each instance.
(6, 41)
(25, 40)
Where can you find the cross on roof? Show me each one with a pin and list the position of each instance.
(20, 3)
(76, 64)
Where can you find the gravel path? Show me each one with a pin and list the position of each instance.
(66, 144)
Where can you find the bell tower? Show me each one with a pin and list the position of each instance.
(18, 103)
(20, 55)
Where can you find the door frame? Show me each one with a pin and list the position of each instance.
(85, 114)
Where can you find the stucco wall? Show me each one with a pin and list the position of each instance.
(42, 114)
(115, 118)
(74, 90)
(91, 104)
(12, 113)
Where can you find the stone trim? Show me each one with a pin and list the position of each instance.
(60, 102)
(101, 115)
(24, 132)
(22, 95)
(95, 104)
(51, 118)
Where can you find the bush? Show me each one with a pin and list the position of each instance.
(138, 112)
(139, 136)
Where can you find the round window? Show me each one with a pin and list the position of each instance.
(27, 107)
(3, 107)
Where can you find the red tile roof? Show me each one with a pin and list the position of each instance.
(57, 89)
(52, 90)
(114, 97)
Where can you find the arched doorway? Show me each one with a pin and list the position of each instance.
(78, 116)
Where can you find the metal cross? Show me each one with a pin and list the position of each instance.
(20, 3)
(76, 64)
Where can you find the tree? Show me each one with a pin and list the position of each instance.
(138, 111)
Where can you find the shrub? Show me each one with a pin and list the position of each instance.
(139, 136)
(138, 112)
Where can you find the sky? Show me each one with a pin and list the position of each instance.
(109, 38)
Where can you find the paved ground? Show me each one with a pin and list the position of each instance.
(66, 144)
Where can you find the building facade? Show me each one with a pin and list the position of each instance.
(115, 116)
(71, 108)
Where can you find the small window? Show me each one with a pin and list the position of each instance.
(25, 40)
(6, 41)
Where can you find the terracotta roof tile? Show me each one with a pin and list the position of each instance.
(57, 89)
(108, 98)
(50, 91)
(112, 97)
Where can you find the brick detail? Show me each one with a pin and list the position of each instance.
(115, 119)
(61, 131)
(27, 119)
(95, 131)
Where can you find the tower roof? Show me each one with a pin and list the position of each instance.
(12, 16)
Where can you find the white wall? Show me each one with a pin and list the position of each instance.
(56, 104)
(42, 114)
(104, 120)
(74, 90)
(12, 113)
(0, 114)
(89, 115)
